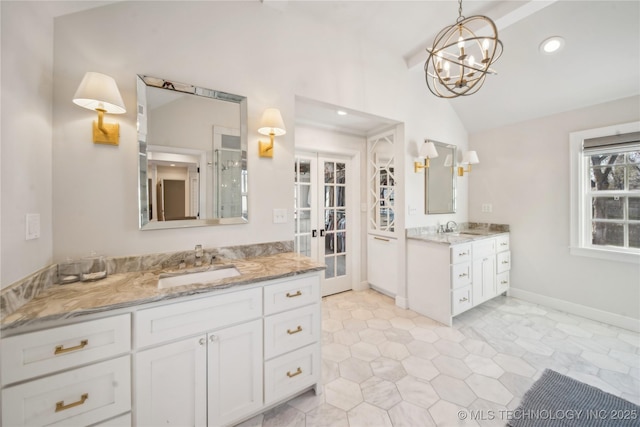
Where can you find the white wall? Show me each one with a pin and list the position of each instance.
(524, 174)
(248, 48)
(27, 64)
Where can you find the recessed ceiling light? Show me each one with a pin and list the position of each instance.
(173, 164)
(552, 45)
(341, 113)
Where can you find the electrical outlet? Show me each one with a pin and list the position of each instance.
(32, 226)
(279, 216)
(487, 207)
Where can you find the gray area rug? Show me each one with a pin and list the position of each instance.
(556, 400)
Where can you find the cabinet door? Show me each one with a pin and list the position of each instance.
(484, 279)
(234, 375)
(171, 384)
(382, 261)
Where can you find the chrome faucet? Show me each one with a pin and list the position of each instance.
(451, 228)
(199, 254)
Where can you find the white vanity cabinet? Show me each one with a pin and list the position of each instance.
(211, 378)
(382, 257)
(77, 374)
(445, 280)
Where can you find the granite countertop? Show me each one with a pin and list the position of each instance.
(457, 237)
(135, 288)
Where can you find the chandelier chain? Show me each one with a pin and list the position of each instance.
(460, 17)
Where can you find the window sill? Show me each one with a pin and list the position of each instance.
(608, 254)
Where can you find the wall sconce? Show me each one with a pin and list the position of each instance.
(428, 151)
(271, 125)
(468, 158)
(99, 92)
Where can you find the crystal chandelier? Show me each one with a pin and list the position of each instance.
(461, 56)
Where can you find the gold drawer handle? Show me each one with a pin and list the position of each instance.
(297, 372)
(463, 253)
(295, 331)
(503, 244)
(465, 299)
(505, 262)
(61, 350)
(297, 294)
(462, 275)
(60, 406)
(504, 282)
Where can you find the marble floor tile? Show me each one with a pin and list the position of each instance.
(385, 366)
(367, 415)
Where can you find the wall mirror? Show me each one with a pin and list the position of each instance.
(440, 181)
(192, 156)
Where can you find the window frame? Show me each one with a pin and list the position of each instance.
(580, 198)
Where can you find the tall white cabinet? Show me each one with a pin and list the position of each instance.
(385, 242)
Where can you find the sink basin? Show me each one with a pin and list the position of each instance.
(190, 277)
(467, 233)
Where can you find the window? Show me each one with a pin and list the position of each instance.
(606, 192)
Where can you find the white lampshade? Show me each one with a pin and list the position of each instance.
(272, 123)
(448, 161)
(99, 92)
(428, 150)
(470, 157)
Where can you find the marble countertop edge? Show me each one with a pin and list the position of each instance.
(134, 289)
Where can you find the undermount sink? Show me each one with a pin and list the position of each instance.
(193, 276)
(467, 233)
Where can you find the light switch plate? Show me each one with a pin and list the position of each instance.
(279, 216)
(32, 227)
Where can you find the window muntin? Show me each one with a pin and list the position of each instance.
(613, 197)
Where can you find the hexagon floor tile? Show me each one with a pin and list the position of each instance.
(385, 366)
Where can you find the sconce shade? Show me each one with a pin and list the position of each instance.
(272, 123)
(470, 157)
(448, 161)
(428, 149)
(99, 92)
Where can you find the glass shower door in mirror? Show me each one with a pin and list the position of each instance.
(322, 213)
(381, 173)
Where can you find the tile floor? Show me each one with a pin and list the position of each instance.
(385, 366)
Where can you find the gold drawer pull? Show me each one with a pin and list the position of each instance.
(503, 244)
(380, 238)
(463, 253)
(60, 406)
(465, 299)
(504, 282)
(297, 294)
(295, 331)
(505, 262)
(61, 350)
(297, 372)
(462, 275)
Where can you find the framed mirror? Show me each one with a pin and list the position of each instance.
(192, 155)
(440, 181)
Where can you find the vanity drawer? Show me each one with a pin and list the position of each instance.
(460, 253)
(37, 353)
(291, 373)
(502, 282)
(460, 300)
(179, 320)
(460, 275)
(290, 330)
(502, 243)
(82, 396)
(504, 262)
(483, 248)
(291, 294)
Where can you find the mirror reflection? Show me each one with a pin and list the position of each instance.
(192, 155)
(440, 181)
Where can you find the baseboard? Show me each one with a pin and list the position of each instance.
(577, 309)
(402, 302)
(362, 286)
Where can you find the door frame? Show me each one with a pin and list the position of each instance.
(354, 204)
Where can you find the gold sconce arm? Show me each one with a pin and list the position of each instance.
(417, 166)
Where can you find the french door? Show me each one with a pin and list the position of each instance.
(323, 229)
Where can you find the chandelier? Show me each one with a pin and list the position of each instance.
(461, 56)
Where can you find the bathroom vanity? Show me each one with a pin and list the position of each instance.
(449, 273)
(122, 351)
